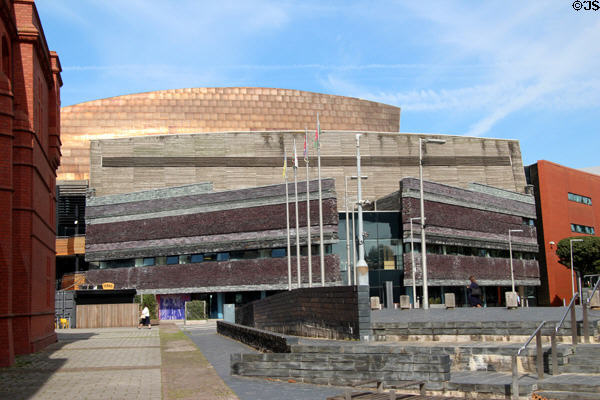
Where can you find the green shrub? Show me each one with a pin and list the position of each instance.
(196, 309)
(148, 300)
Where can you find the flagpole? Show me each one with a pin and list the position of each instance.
(308, 208)
(297, 223)
(287, 221)
(321, 246)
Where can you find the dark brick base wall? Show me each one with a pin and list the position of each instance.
(340, 312)
(346, 364)
(262, 340)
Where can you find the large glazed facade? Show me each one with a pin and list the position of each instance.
(29, 156)
(568, 203)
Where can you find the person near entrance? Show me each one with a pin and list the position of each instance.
(474, 292)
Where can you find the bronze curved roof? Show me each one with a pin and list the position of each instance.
(197, 110)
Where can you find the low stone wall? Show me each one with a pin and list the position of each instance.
(346, 364)
(340, 312)
(470, 331)
(259, 339)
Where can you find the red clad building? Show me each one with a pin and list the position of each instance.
(29, 157)
(568, 204)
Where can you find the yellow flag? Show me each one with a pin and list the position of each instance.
(284, 163)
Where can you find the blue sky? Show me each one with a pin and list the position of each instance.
(521, 70)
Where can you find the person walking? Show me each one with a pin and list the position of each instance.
(474, 292)
(145, 318)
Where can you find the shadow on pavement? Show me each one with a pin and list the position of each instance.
(30, 372)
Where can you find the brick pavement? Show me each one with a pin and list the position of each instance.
(117, 363)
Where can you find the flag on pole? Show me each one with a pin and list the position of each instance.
(284, 164)
(305, 145)
(295, 155)
(317, 133)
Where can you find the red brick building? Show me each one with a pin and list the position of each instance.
(568, 204)
(29, 157)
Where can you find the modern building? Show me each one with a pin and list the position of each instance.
(29, 157)
(236, 139)
(190, 242)
(467, 233)
(567, 202)
(185, 111)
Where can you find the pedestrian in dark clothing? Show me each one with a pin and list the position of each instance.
(474, 292)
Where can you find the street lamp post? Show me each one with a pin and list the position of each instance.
(572, 280)
(512, 275)
(423, 249)
(348, 269)
(412, 260)
(361, 266)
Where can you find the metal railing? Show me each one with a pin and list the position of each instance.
(586, 305)
(570, 308)
(553, 338)
(539, 360)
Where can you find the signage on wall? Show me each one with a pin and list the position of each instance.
(108, 286)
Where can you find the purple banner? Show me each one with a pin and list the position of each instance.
(172, 306)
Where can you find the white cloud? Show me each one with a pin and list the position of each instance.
(538, 55)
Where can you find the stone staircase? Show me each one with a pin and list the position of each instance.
(481, 365)
(579, 378)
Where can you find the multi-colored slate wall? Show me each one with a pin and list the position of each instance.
(476, 218)
(190, 220)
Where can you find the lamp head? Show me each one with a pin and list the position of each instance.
(437, 141)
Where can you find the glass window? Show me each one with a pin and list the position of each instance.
(369, 225)
(388, 225)
(148, 261)
(197, 258)
(435, 249)
(210, 256)
(371, 254)
(172, 260)
(184, 259)
(452, 250)
(580, 199)
(222, 256)
(278, 253)
(583, 229)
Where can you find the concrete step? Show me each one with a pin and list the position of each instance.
(582, 368)
(569, 382)
(490, 385)
(554, 395)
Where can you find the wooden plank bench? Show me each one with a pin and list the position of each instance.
(379, 394)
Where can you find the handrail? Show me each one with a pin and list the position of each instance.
(539, 360)
(571, 308)
(558, 325)
(593, 291)
(585, 305)
(530, 338)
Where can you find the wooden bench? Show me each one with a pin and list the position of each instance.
(379, 394)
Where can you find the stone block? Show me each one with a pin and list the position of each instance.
(450, 300)
(511, 300)
(375, 305)
(405, 302)
(595, 301)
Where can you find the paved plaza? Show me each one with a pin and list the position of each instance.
(117, 363)
(193, 362)
(525, 314)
